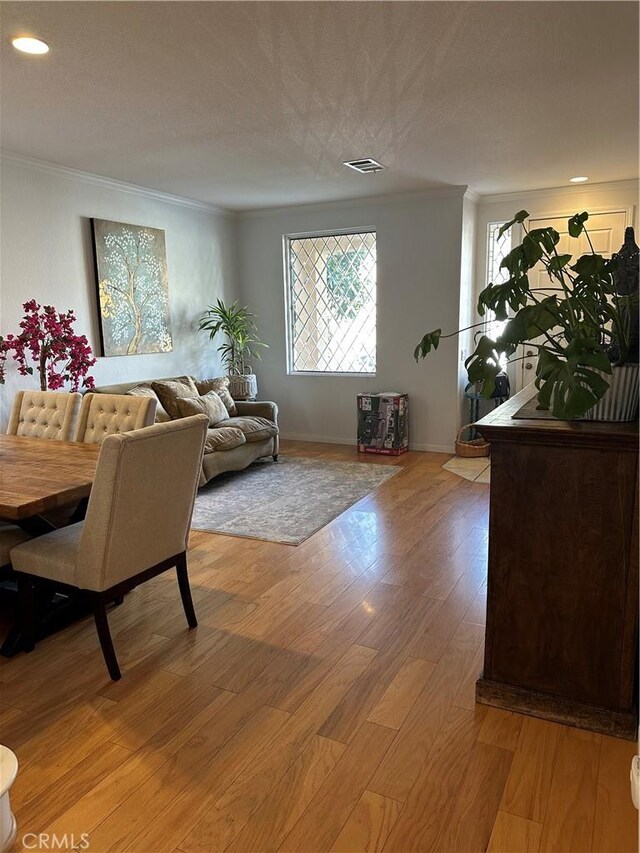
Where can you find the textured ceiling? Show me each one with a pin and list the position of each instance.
(249, 105)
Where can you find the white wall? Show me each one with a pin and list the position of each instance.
(46, 254)
(419, 265)
(467, 312)
(431, 265)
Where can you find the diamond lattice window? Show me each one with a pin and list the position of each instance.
(332, 303)
(497, 248)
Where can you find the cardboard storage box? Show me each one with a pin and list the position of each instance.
(383, 423)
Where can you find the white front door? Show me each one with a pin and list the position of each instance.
(606, 231)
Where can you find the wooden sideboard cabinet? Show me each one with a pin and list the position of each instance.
(562, 602)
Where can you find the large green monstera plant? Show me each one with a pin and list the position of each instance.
(581, 325)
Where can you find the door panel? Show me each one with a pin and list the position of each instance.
(606, 231)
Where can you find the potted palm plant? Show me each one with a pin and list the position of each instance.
(584, 325)
(240, 343)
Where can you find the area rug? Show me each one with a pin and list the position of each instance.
(286, 501)
(478, 470)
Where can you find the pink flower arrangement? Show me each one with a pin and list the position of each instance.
(48, 338)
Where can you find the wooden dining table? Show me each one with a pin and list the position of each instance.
(39, 476)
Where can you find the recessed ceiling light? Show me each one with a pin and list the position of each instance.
(579, 180)
(27, 44)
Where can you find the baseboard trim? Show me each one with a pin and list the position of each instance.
(320, 439)
(433, 448)
(334, 439)
(559, 709)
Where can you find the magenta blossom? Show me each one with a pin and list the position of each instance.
(48, 339)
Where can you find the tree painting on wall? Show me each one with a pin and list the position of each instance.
(133, 288)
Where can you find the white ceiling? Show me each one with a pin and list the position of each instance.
(249, 105)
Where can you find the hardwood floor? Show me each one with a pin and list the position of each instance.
(325, 702)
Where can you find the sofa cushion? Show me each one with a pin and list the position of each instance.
(145, 390)
(221, 387)
(209, 404)
(223, 438)
(169, 390)
(254, 429)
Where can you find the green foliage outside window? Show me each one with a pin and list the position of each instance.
(346, 288)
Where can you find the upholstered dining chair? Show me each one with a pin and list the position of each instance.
(136, 526)
(44, 414)
(102, 415)
(10, 536)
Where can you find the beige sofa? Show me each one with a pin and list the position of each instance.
(220, 454)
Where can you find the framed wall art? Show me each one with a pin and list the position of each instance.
(133, 288)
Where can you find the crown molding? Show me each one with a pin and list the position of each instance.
(572, 189)
(460, 191)
(390, 198)
(25, 162)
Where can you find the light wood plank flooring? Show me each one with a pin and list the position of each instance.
(325, 702)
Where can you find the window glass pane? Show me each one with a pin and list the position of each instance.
(497, 248)
(332, 303)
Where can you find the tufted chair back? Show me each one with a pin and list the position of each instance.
(44, 414)
(109, 414)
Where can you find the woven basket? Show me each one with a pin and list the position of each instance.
(473, 448)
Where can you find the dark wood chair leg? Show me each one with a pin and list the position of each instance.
(185, 591)
(104, 635)
(26, 599)
(275, 457)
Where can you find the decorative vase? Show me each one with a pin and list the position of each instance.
(243, 386)
(620, 402)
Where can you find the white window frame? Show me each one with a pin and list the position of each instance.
(302, 235)
(490, 319)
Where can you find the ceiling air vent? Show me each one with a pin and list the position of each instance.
(365, 165)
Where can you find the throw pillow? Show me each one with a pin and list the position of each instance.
(169, 390)
(221, 387)
(147, 391)
(209, 404)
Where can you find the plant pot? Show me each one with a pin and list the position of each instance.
(620, 402)
(243, 387)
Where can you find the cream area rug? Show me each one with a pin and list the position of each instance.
(478, 470)
(285, 501)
